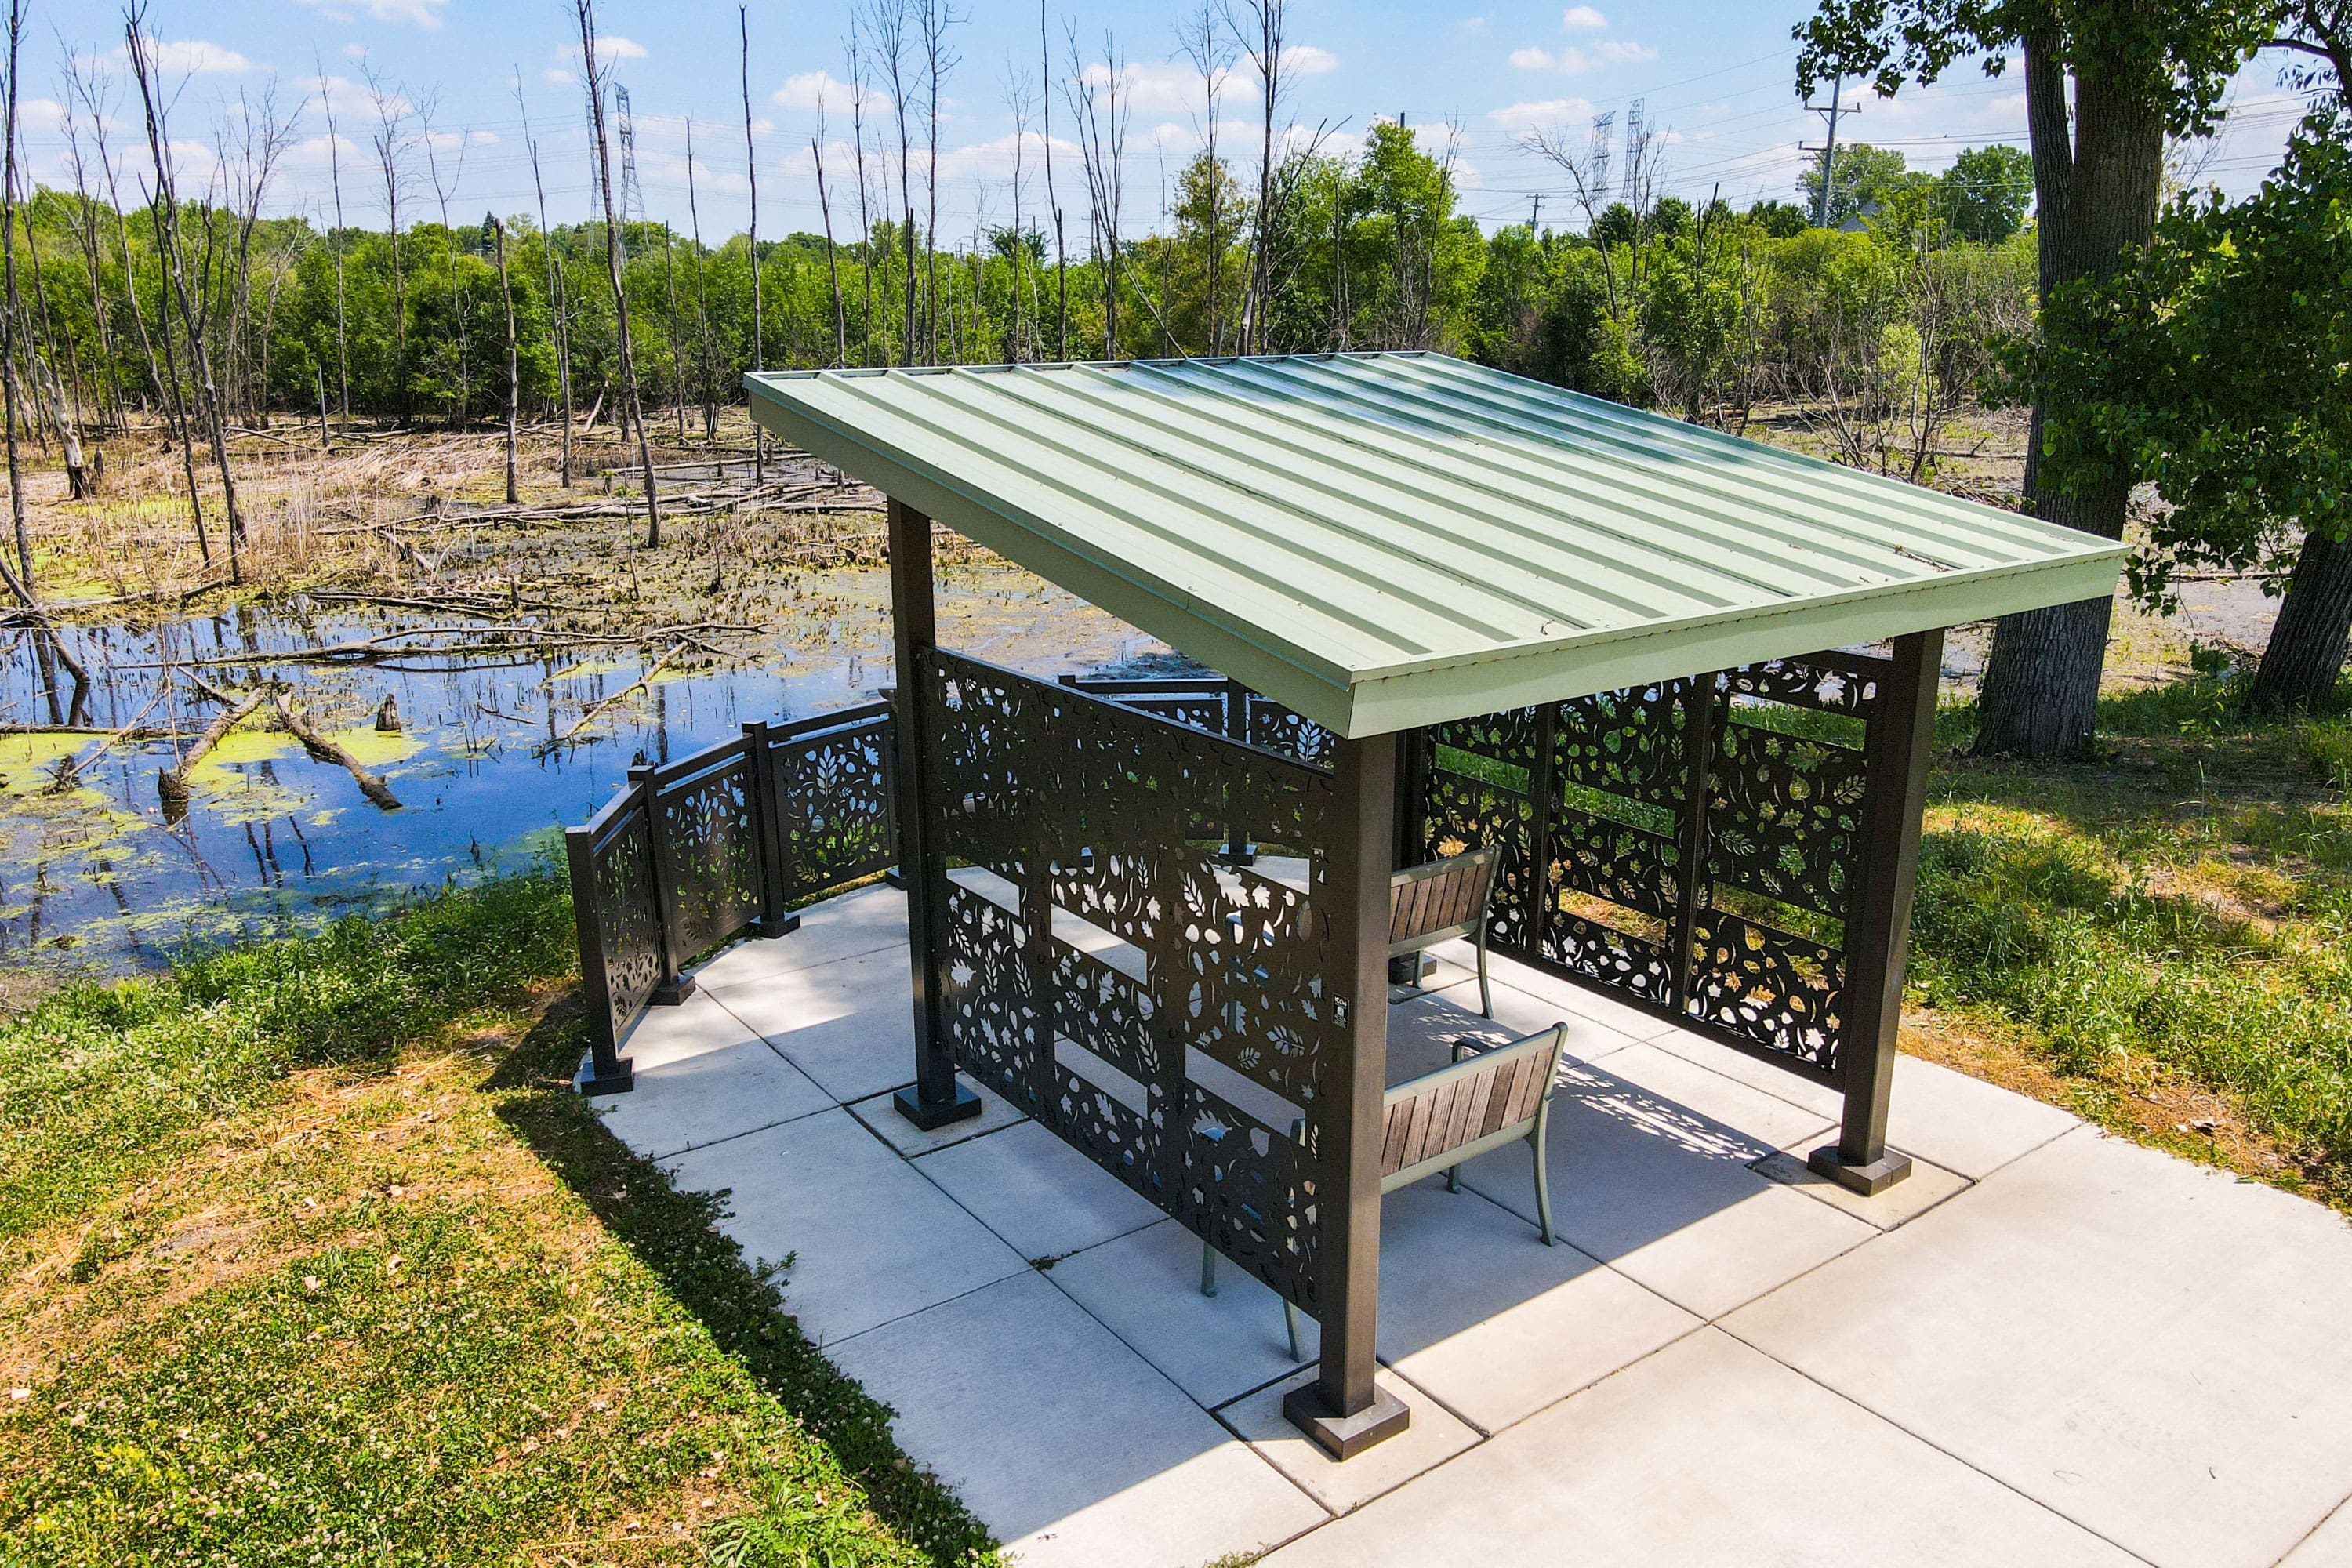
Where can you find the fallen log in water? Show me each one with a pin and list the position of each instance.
(326, 749)
(589, 714)
(171, 784)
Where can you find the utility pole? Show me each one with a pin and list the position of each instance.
(1828, 150)
(1535, 213)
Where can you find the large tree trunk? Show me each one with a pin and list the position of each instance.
(2097, 192)
(2307, 653)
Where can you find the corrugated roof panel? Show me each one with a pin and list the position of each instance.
(1388, 539)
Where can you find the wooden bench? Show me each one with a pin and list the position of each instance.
(1489, 1097)
(1442, 899)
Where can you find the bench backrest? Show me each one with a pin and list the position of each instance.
(1441, 899)
(1442, 1118)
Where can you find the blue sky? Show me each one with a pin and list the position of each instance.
(1715, 76)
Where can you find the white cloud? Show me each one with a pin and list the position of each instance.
(192, 57)
(355, 51)
(1307, 60)
(1545, 112)
(805, 90)
(1582, 18)
(1472, 24)
(425, 14)
(560, 76)
(1574, 61)
(617, 48)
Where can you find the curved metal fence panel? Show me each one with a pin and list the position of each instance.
(695, 852)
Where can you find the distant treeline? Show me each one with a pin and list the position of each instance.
(1884, 323)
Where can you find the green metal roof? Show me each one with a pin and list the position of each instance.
(1386, 539)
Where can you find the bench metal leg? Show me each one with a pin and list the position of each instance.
(1485, 997)
(1208, 1270)
(1543, 1173)
(1290, 1326)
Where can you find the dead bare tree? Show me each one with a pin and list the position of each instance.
(1054, 197)
(1098, 102)
(854, 47)
(1019, 101)
(888, 20)
(832, 256)
(85, 229)
(165, 208)
(1587, 172)
(89, 88)
(559, 292)
(9, 347)
(514, 360)
(707, 373)
(464, 408)
(595, 68)
(938, 17)
(1261, 29)
(335, 244)
(1203, 39)
(260, 137)
(752, 175)
(393, 144)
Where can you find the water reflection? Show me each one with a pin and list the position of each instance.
(92, 873)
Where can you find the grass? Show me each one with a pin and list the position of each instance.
(2161, 938)
(310, 1256)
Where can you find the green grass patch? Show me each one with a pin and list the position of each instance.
(310, 1255)
(2175, 914)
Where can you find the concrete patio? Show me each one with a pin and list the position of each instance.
(2048, 1346)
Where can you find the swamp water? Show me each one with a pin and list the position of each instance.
(93, 876)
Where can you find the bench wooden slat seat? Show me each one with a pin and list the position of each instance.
(1439, 900)
(1487, 1098)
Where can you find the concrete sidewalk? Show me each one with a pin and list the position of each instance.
(2048, 1346)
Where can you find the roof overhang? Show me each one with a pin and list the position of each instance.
(1381, 541)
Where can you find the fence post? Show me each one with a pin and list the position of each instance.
(774, 850)
(1878, 924)
(673, 987)
(1537, 898)
(607, 1071)
(1239, 850)
(1698, 766)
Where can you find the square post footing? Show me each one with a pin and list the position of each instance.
(620, 1080)
(927, 1114)
(771, 926)
(1869, 1180)
(670, 993)
(1345, 1437)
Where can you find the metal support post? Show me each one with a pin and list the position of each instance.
(1343, 1410)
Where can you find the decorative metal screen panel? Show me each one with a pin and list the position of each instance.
(1165, 1013)
(628, 914)
(833, 800)
(1693, 847)
(705, 808)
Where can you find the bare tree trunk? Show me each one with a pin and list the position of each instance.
(2098, 182)
(335, 180)
(1266, 58)
(162, 370)
(392, 113)
(1054, 200)
(462, 414)
(888, 20)
(514, 363)
(832, 256)
(559, 302)
(751, 173)
(707, 372)
(167, 237)
(2306, 652)
(10, 321)
(587, 10)
(938, 61)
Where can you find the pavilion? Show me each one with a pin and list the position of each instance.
(1687, 681)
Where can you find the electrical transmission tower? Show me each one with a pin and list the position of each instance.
(1596, 151)
(1636, 145)
(632, 198)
